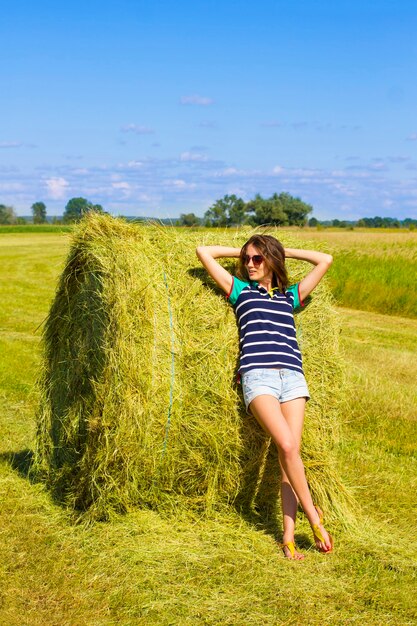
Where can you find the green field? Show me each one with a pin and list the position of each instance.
(373, 270)
(35, 228)
(145, 569)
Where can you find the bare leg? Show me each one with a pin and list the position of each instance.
(293, 412)
(268, 413)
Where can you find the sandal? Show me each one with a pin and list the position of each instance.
(290, 545)
(318, 536)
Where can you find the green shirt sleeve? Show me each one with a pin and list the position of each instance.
(295, 290)
(237, 287)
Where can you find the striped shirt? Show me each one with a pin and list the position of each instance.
(267, 335)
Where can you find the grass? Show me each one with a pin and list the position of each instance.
(380, 433)
(373, 270)
(35, 228)
(144, 568)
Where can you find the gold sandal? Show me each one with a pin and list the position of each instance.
(291, 547)
(318, 536)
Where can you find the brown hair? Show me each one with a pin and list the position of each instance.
(273, 252)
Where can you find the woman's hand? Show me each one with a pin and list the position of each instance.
(208, 256)
(322, 262)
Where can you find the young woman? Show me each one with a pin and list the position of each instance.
(273, 383)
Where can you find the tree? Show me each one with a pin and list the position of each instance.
(390, 222)
(189, 219)
(7, 214)
(295, 209)
(216, 215)
(313, 222)
(266, 211)
(76, 208)
(228, 211)
(279, 210)
(409, 223)
(39, 212)
(236, 209)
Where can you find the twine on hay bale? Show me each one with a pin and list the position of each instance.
(139, 401)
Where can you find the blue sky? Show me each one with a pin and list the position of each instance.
(160, 108)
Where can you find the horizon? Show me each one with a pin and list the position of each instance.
(169, 108)
(328, 222)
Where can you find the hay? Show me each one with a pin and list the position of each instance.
(139, 404)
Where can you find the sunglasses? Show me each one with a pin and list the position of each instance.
(256, 259)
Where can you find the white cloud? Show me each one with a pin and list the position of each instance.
(196, 99)
(134, 164)
(227, 171)
(137, 129)
(412, 137)
(124, 187)
(301, 172)
(179, 183)
(399, 159)
(378, 166)
(56, 187)
(192, 156)
(11, 187)
(191, 181)
(11, 144)
(343, 189)
(16, 144)
(121, 185)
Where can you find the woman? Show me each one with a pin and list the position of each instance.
(273, 383)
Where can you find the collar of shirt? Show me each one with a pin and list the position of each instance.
(260, 288)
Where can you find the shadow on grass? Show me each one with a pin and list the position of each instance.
(21, 461)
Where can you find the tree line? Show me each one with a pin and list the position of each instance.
(74, 210)
(279, 210)
(366, 222)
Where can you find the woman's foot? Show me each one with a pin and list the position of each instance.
(323, 540)
(290, 551)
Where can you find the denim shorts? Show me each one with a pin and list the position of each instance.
(283, 384)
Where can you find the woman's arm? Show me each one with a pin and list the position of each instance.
(322, 262)
(208, 256)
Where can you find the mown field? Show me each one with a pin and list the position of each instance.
(143, 568)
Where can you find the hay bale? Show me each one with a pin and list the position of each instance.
(139, 401)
